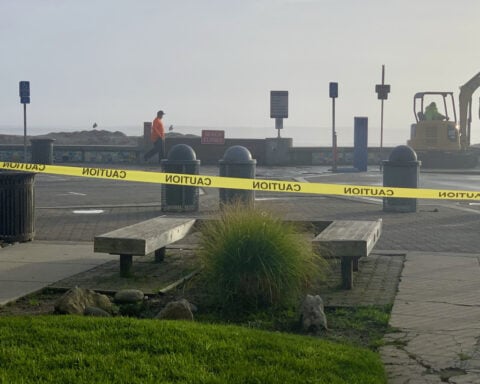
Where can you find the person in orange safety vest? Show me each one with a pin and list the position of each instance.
(158, 138)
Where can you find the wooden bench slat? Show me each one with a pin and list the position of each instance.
(145, 237)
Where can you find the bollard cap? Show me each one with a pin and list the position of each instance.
(403, 154)
(238, 155)
(181, 152)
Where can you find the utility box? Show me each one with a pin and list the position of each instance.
(277, 150)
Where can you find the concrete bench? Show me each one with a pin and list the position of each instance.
(348, 240)
(142, 239)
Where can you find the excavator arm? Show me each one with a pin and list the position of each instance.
(465, 109)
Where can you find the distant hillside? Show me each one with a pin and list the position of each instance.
(93, 137)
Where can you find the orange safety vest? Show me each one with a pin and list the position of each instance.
(158, 131)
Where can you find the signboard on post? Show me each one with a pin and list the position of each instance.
(279, 104)
(213, 137)
(24, 87)
(382, 91)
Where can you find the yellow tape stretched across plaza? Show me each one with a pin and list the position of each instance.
(240, 183)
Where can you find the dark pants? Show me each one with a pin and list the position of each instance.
(158, 146)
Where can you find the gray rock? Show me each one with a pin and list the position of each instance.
(95, 311)
(312, 314)
(193, 307)
(75, 301)
(128, 296)
(176, 310)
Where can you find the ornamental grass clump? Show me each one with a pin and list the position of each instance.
(254, 260)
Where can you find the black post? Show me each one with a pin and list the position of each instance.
(160, 254)
(381, 112)
(334, 138)
(24, 91)
(382, 93)
(126, 262)
(333, 93)
(24, 132)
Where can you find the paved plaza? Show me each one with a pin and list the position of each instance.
(425, 263)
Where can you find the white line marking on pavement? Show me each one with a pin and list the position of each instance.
(89, 211)
(72, 193)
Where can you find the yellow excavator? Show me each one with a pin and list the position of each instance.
(439, 139)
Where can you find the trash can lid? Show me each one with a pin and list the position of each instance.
(237, 154)
(403, 153)
(182, 152)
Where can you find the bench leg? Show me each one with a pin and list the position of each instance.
(126, 265)
(347, 272)
(355, 264)
(160, 254)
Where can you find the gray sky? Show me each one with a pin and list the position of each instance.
(214, 62)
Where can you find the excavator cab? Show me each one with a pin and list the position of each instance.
(437, 130)
(440, 140)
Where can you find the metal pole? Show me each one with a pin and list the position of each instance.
(24, 132)
(381, 129)
(334, 138)
(381, 113)
(278, 125)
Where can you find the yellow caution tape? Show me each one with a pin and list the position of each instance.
(241, 183)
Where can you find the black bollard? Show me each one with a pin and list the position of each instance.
(181, 159)
(237, 162)
(402, 170)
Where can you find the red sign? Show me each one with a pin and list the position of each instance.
(213, 137)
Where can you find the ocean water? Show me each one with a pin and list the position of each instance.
(307, 136)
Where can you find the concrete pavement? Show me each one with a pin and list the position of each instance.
(29, 267)
(436, 321)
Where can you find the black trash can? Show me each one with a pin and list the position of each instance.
(181, 159)
(42, 151)
(402, 170)
(237, 162)
(17, 206)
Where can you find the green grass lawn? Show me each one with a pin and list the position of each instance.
(69, 349)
